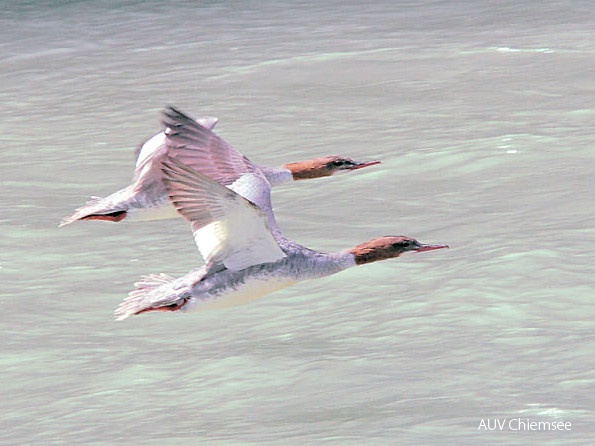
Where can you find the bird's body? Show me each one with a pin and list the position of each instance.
(146, 199)
(236, 232)
(200, 290)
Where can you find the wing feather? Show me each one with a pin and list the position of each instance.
(151, 146)
(200, 148)
(228, 228)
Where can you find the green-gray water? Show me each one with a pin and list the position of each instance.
(483, 119)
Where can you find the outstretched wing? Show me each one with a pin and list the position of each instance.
(150, 146)
(201, 149)
(228, 228)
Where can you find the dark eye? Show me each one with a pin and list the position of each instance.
(338, 163)
(402, 244)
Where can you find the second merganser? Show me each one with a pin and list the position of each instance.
(236, 232)
(146, 199)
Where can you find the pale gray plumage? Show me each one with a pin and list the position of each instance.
(235, 230)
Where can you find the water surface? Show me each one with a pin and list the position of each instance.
(483, 119)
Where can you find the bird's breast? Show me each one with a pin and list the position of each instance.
(236, 294)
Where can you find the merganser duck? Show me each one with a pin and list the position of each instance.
(235, 230)
(145, 199)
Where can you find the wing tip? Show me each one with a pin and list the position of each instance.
(174, 118)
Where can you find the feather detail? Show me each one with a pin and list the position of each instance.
(228, 228)
(154, 292)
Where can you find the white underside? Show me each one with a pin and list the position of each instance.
(251, 290)
(150, 214)
(150, 147)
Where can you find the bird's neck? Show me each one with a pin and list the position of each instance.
(306, 263)
(277, 175)
(326, 264)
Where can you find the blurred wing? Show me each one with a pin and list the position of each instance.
(228, 229)
(198, 147)
(145, 150)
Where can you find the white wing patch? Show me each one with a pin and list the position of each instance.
(228, 228)
(238, 242)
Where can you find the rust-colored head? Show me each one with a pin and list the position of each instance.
(325, 166)
(387, 247)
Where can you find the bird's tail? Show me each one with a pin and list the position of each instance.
(155, 292)
(96, 209)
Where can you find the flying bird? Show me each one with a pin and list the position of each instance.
(146, 199)
(228, 205)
